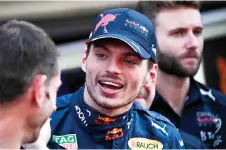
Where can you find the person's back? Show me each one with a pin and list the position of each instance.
(29, 79)
(120, 58)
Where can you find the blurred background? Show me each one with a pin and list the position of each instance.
(69, 23)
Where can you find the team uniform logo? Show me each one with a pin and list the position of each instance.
(208, 93)
(209, 124)
(159, 127)
(104, 22)
(113, 134)
(136, 27)
(105, 120)
(68, 141)
(143, 143)
(81, 115)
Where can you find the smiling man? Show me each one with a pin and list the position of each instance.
(120, 58)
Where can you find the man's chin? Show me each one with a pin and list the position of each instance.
(33, 137)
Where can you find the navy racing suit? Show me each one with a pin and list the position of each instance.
(75, 125)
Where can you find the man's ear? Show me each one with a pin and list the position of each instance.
(152, 75)
(39, 89)
(83, 60)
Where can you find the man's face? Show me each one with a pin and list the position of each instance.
(114, 74)
(146, 95)
(180, 41)
(50, 103)
(47, 107)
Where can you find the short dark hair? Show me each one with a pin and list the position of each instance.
(152, 8)
(25, 50)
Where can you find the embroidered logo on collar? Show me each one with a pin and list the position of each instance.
(105, 120)
(143, 143)
(160, 128)
(81, 115)
(113, 134)
(68, 141)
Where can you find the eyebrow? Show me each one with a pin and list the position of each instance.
(101, 46)
(132, 54)
(185, 29)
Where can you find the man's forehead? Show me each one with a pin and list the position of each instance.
(179, 18)
(109, 46)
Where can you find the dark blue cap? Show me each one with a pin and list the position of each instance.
(127, 25)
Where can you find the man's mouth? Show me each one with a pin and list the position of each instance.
(111, 85)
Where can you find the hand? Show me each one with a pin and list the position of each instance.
(43, 139)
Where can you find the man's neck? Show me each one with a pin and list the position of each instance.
(173, 89)
(10, 133)
(108, 112)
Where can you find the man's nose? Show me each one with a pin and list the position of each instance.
(114, 67)
(192, 41)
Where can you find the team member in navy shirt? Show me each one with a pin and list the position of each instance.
(120, 59)
(194, 108)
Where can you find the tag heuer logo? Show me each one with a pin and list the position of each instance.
(68, 141)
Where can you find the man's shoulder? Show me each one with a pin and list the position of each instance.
(63, 101)
(153, 116)
(159, 126)
(62, 104)
(213, 94)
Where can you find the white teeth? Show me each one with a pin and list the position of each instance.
(112, 84)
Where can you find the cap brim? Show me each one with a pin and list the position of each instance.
(134, 45)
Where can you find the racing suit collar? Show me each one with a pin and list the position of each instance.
(101, 127)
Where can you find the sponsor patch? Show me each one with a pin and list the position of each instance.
(113, 134)
(132, 25)
(143, 143)
(105, 120)
(210, 125)
(81, 115)
(68, 141)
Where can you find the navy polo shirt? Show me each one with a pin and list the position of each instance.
(203, 115)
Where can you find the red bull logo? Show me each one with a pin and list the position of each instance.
(105, 120)
(114, 131)
(113, 134)
(136, 26)
(132, 23)
(144, 29)
(105, 21)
